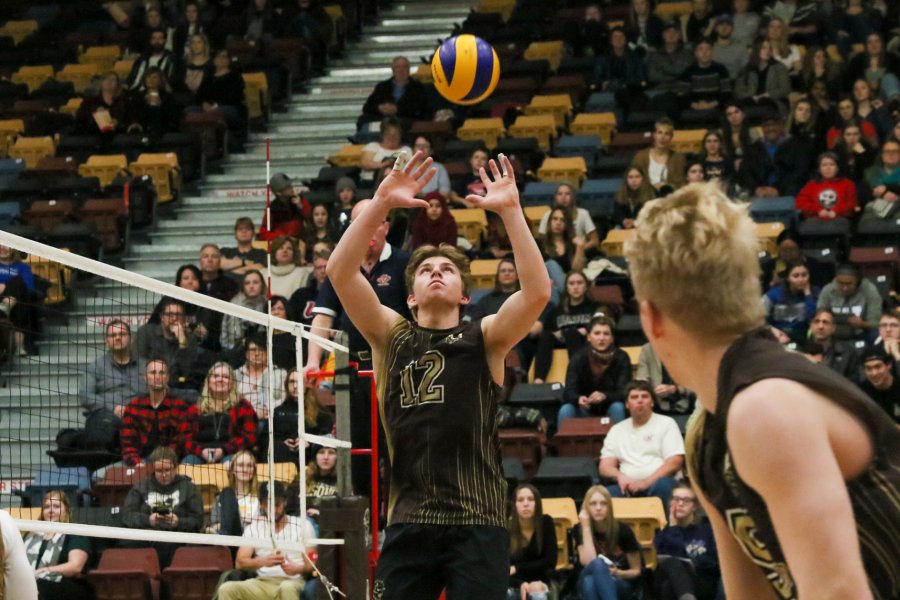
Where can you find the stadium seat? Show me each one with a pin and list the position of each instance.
(123, 68)
(672, 11)
(539, 193)
(634, 355)
(513, 472)
(564, 513)
(645, 516)
(109, 219)
(10, 170)
(876, 233)
(527, 150)
(104, 167)
(126, 574)
(104, 57)
(54, 167)
(558, 365)
(257, 96)
(769, 210)
(877, 262)
(608, 298)
(585, 146)
(542, 127)
(10, 212)
(71, 106)
(163, 169)
(80, 75)
(48, 214)
(484, 272)
(566, 476)
(600, 125)
(112, 489)
(210, 479)
(18, 30)
(523, 444)
(688, 141)
(284, 472)
(598, 196)
(485, 131)
(833, 235)
(546, 397)
(32, 149)
(33, 76)
(551, 51)
(31, 513)
(558, 106)
(212, 129)
(629, 331)
(571, 170)
(767, 234)
(581, 437)
(195, 572)
(614, 243)
(75, 482)
(460, 150)
(629, 142)
(601, 102)
(9, 130)
(534, 215)
(503, 7)
(572, 85)
(470, 223)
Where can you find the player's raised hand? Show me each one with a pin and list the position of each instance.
(406, 180)
(502, 193)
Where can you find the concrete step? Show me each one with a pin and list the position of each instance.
(438, 26)
(184, 237)
(379, 58)
(399, 43)
(26, 456)
(346, 110)
(21, 421)
(254, 176)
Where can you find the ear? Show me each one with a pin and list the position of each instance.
(652, 320)
(411, 300)
(465, 299)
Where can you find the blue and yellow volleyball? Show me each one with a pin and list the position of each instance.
(465, 69)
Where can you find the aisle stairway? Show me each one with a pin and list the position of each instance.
(41, 393)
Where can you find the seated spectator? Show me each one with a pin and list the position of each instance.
(222, 91)
(880, 383)
(855, 303)
(284, 351)
(746, 23)
(254, 380)
(776, 165)
(591, 37)
(883, 178)
(855, 152)
(532, 546)
(471, 184)
(316, 421)
(563, 252)
(253, 295)
(763, 81)
(197, 67)
(871, 109)
(399, 97)
(506, 284)
(226, 422)
(662, 164)
(172, 340)
(728, 51)
(643, 27)
(214, 282)
(819, 66)
(199, 321)
(566, 198)
(243, 257)
(737, 135)
(565, 325)
(807, 123)
(345, 199)
(889, 335)
(237, 505)
(301, 304)
(597, 376)
(152, 108)
(183, 36)
(110, 383)
(670, 398)
(157, 419)
(837, 355)
(688, 561)
(288, 209)
(855, 21)
(790, 306)
(321, 229)
(695, 173)
(308, 20)
(620, 70)
(287, 273)
(165, 501)
(644, 452)
(708, 81)
(699, 23)
(664, 67)
(321, 477)
(105, 113)
(58, 559)
(19, 300)
(875, 64)
(631, 197)
(156, 56)
(433, 225)
(279, 574)
(786, 53)
(380, 155)
(846, 115)
(828, 196)
(441, 181)
(714, 158)
(260, 18)
(608, 552)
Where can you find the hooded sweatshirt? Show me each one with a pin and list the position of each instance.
(838, 194)
(181, 495)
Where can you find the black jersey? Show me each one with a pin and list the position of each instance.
(438, 405)
(875, 494)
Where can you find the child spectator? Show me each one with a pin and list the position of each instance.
(790, 306)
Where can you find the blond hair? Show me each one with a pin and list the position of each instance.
(695, 257)
(66, 514)
(608, 528)
(206, 403)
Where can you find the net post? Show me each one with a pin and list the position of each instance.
(342, 416)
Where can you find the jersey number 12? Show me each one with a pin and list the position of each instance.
(432, 363)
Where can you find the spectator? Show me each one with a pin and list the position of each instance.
(58, 559)
(156, 56)
(255, 380)
(708, 81)
(819, 66)
(506, 283)
(791, 305)
(345, 198)
(644, 452)
(472, 184)
(563, 252)
(699, 23)
(663, 165)
(226, 422)
(737, 133)
(838, 355)
(433, 225)
(889, 335)
(664, 67)
(565, 325)
(870, 108)
(592, 35)
(854, 301)
(608, 551)
(301, 304)
(532, 546)
(237, 505)
(828, 196)
(441, 181)
(695, 173)
(321, 477)
(19, 300)
(316, 421)
(380, 155)
(152, 108)
(279, 574)
(173, 341)
(880, 383)
(253, 295)
(197, 68)
(157, 419)
(799, 17)
(855, 153)
(727, 51)
(688, 565)
(714, 158)
(222, 91)
(288, 209)
(746, 23)
(399, 97)
(875, 62)
(105, 113)
(620, 70)
(260, 18)
(764, 81)
(597, 376)
(671, 400)
(776, 165)
(643, 27)
(807, 124)
(183, 36)
(214, 282)
(199, 320)
(883, 178)
(820, 96)
(566, 198)
(846, 115)
(308, 20)
(784, 52)
(287, 273)
(284, 351)
(165, 501)
(243, 257)
(321, 229)
(631, 197)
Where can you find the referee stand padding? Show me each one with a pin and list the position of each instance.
(346, 518)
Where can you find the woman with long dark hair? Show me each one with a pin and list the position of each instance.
(566, 198)
(532, 546)
(790, 305)
(737, 133)
(433, 225)
(562, 251)
(763, 81)
(565, 326)
(631, 197)
(846, 115)
(714, 158)
(805, 123)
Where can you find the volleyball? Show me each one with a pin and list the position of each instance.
(465, 69)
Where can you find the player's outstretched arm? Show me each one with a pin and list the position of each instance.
(515, 318)
(397, 190)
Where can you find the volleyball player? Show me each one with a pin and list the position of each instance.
(439, 383)
(798, 470)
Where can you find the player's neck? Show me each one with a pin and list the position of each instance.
(434, 319)
(694, 364)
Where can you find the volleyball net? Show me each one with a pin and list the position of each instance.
(97, 331)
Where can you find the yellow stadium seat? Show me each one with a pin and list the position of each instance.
(571, 170)
(504, 7)
(102, 56)
(71, 106)
(338, 22)
(122, 68)
(559, 364)
(80, 75)
(32, 513)
(484, 273)
(104, 167)
(603, 125)
(256, 93)
(671, 11)
(33, 77)
(286, 472)
(9, 130)
(470, 223)
(348, 156)
(565, 517)
(534, 214)
(559, 106)
(551, 51)
(484, 130)
(58, 275)
(634, 355)
(614, 243)
(210, 479)
(163, 169)
(542, 127)
(767, 234)
(645, 516)
(688, 141)
(18, 30)
(32, 149)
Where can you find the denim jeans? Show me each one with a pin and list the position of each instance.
(597, 583)
(661, 488)
(615, 411)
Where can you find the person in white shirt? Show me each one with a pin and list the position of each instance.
(18, 576)
(280, 574)
(644, 452)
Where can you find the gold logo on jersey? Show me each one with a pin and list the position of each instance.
(745, 532)
(453, 338)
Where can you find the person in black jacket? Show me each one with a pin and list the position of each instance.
(532, 545)
(400, 97)
(223, 91)
(776, 165)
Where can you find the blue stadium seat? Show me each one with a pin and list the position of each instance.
(598, 196)
(74, 481)
(586, 146)
(10, 169)
(538, 192)
(9, 212)
(601, 102)
(774, 210)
